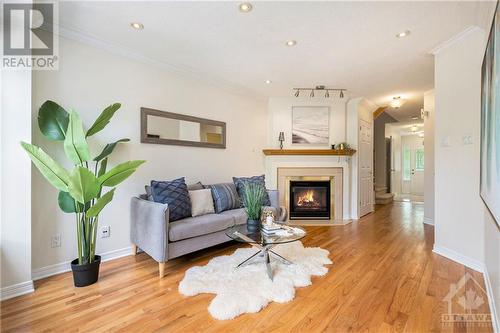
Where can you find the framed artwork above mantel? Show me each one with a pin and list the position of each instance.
(311, 125)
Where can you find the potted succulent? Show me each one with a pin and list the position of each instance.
(253, 199)
(80, 189)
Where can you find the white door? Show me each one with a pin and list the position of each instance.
(413, 166)
(365, 168)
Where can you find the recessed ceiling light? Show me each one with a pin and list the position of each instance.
(291, 42)
(245, 7)
(137, 25)
(415, 118)
(403, 34)
(268, 81)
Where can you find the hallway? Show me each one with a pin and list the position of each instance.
(384, 278)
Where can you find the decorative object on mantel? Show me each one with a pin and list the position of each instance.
(342, 146)
(320, 88)
(335, 152)
(310, 125)
(281, 138)
(221, 278)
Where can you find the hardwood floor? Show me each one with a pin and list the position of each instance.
(384, 278)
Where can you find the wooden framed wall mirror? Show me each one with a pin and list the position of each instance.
(167, 128)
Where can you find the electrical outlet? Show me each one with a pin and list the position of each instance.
(55, 240)
(105, 231)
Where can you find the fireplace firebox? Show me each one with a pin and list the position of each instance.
(310, 200)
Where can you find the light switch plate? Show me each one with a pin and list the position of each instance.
(105, 231)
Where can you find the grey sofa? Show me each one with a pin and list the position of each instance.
(152, 232)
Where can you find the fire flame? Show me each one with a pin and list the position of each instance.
(306, 199)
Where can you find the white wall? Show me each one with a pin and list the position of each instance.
(492, 260)
(429, 106)
(90, 79)
(280, 119)
(15, 178)
(459, 213)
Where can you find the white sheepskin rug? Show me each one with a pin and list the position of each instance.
(248, 289)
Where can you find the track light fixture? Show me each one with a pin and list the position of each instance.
(320, 88)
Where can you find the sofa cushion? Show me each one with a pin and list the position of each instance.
(239, 215)
(197, 226)
(225, 197)
(175, 194)
(201, 202)
(240, 182)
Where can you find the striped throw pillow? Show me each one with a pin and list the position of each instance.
(225, 197)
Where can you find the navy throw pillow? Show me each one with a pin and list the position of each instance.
(175, 194)
(240, 182)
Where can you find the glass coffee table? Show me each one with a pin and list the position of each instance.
(263, 243)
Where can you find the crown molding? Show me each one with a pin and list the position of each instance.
(184, 71)
(461, 35)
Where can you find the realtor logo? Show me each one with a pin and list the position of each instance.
(29, 36)
(466, 302)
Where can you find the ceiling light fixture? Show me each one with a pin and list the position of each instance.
(415, 118)
(268, 81)
(137, 25)
(414, 128)
(397, 102)
(403, 34)
(320, 88)
(291, 42)
(245, 7)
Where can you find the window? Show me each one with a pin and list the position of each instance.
(419, 159)
(406, 163)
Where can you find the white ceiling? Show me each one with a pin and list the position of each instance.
(340, 44)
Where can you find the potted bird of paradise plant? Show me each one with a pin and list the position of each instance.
(81, 190)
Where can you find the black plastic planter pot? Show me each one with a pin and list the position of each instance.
(86, 274)
(253, 225)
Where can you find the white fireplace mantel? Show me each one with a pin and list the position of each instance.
(273, 162)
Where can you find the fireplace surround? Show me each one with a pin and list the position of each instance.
(334, 175)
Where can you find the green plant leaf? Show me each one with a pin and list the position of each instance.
(66, 202)
(109, 149)
(102, 167)
(50, 169)
(83, 185)
(75, 144)
(100, 204)
(103, 119)
(119, 173)
(53, 121)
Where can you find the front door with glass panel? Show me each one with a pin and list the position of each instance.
(413, 165)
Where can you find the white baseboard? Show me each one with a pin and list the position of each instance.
(17, 290)
(461, 259)
(428, 221)
(491, 301)
(43, 272)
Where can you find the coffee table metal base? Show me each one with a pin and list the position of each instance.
(266, 252)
